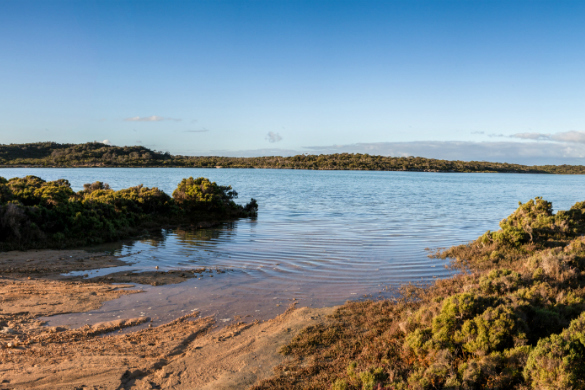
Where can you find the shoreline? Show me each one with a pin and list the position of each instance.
(125, 353)
(277, 168)
(517, 306)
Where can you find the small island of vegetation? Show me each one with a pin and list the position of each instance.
(97, 154)
(35, 213)
(513, 319)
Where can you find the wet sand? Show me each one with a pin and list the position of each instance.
(52, 264)
(188, 352)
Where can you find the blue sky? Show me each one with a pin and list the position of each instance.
(482, 80)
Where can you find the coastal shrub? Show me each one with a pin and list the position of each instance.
(558, 361)
(372, 377)
(528, 230)
(340, 384)
(495, 329)
(194, 195)
(37, 213)
(500, 281)
(455, 311)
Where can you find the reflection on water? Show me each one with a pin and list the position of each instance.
(320, 237)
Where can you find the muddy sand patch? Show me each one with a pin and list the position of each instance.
(189, 352)
(186, 353)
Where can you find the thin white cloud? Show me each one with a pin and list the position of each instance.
(106, 142)
(532, 153)
(559, 148)
(532, 136)
(152, 118)
(273, 137)
(570, 136)
(567, 136)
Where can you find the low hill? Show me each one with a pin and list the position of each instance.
(96, 154)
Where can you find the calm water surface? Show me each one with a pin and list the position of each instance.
(321, 237)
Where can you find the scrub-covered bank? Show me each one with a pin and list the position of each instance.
(35, 213)
(514, 319)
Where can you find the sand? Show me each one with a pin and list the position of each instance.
(188, 353)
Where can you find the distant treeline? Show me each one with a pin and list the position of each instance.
(96, 154)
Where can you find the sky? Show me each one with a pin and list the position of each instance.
(469, 80)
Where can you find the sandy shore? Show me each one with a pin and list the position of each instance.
(187, 353)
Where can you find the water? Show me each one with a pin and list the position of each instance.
(321, 237)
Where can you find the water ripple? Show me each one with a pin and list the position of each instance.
(321, 236)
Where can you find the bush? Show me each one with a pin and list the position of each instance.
(455, 311)
(494, 330)
(558, 361)
(35, 213)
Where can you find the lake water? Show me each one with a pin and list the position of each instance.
(320, 238)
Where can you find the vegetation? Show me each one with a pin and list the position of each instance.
(35, 213)
(512, 319)
(95, 154)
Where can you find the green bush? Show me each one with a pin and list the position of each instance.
(558, 361)
(455, 311)
(500, 281)
(35, 213)
(494, 330)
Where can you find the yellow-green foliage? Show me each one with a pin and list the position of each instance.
(500, 281)
(558, 361)
(455, 311)
(201, 194)
(37, 213)
(494, 330)
(532, 221)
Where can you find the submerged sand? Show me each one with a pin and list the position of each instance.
(187, 353)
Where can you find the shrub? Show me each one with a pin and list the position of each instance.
(558, 361)
(494, 330)
(500, 281)
(202, 195)
(36, 213)
(455, 311)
